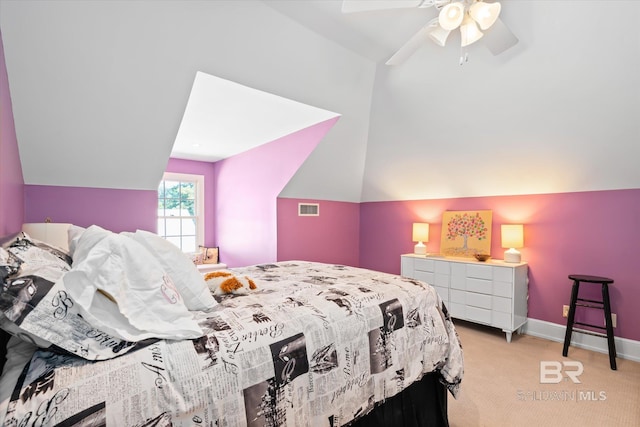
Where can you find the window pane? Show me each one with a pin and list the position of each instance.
(161, 190)
(188, 226)
(161, 227)
(172, 227)
(174, 240)
(188, 190)
(188, 208)
(161, 207)
(189, 244)
(172, 196)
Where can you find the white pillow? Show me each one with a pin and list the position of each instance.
(74, 232)
(183, 272)
(121, 289)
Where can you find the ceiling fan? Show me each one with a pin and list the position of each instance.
(471, 17)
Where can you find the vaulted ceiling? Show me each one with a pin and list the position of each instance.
(100, 89)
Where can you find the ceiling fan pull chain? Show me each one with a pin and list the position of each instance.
(464, 56)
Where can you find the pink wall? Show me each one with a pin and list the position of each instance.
(11, 181)
(331, 237)
(593, 233)
(205, 169)
(247, 187)
(116, 210)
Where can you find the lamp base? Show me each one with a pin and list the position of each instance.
(420, 249)
(512, 255)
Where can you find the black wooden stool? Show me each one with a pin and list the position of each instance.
(601, 305)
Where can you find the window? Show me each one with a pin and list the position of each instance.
(180, 210)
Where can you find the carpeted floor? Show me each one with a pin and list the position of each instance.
(503, 385)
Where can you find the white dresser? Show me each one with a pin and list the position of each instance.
(493, 293)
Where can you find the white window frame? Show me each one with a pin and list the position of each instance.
(199, 181)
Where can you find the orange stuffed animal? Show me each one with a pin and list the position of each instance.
(224, 282)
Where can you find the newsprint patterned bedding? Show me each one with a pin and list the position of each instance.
(315, 345)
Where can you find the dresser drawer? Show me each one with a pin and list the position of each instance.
(501, 304)
(501, 320)
(476, 314)
(423, 264)
(479, 285)
(457, 296)
(480, 271)
(441, 280)
(442, 267)
(458, 282)
(457, 310)
(502, 274)
(443, 292)
(478, 300)
(425, 276)
(503, 289)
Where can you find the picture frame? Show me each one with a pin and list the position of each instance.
(210, 255)
(466, 233)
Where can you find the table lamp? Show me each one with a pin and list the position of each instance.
(420, 235)
(512, 238)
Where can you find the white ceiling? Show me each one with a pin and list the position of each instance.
(99, 90)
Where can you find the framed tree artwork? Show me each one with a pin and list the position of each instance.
(466, 233)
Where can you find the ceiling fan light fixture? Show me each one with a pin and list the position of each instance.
(469, 32)
(451, 16)
(485, 14)
(439, 35)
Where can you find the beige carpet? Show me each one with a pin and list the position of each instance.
(502, 384)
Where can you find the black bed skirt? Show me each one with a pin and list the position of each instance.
(4, 340)
(422, 404)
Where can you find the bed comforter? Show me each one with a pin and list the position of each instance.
(315, 344)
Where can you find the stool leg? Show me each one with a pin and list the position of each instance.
(571, 317)
(609, 325)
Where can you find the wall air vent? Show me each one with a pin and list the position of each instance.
(308, 209)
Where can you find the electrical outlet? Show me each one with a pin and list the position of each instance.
(565, 311)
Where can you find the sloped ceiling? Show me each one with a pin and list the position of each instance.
(99, 90)
(223, 118)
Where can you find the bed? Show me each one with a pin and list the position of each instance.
(93, 341)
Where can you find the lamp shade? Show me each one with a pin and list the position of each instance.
(469, 32)
(420, 232)
(450, 17)
(512, 235)
(420, 235)
(485, 14)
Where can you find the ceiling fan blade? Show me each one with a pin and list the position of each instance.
(499, 38)
(410, 46)
(353, 6)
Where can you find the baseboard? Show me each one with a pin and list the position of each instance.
(625, 348)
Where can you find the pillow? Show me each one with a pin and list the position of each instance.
(35, 307)
(121, 289)
(74, 232)
(185, 275)
(28, 273)
(33, 253)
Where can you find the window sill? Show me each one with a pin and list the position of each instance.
(205, 268)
